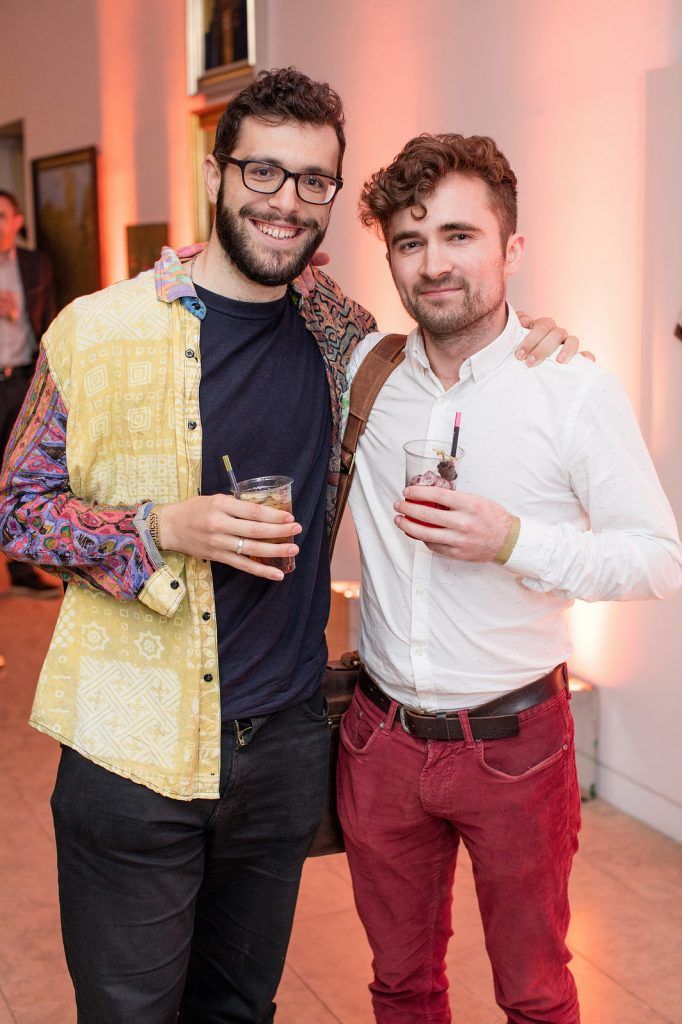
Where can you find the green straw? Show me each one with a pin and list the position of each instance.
(230, 472)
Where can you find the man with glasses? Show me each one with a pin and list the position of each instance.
(183, 679)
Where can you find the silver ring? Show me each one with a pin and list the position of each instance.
(240, 546)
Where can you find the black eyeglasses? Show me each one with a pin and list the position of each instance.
(268, 178)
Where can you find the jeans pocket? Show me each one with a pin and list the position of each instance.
(358, 730)
(315, 708)
(543, 740)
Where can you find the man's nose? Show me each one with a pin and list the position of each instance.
(285, 200)
(437, 262)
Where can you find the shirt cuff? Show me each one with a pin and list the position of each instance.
(533, 550)
(163, 592)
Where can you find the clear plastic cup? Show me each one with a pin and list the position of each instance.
(275, 492)
(428, 463)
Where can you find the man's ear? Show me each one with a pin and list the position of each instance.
(516, 245)
(212, 177)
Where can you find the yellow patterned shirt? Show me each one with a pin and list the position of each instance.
(112, 421)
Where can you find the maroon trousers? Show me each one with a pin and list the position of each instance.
(405, 804)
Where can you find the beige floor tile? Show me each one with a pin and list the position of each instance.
(296, 1004)
(604, 1001)
(324, 890)
(330, 953)
(6, 1015)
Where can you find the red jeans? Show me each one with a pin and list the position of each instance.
(405, 803)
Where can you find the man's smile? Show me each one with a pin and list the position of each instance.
(278, 232)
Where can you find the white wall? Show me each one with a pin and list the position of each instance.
(581, 96)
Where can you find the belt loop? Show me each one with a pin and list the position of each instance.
(564, 672)
(463, 716)
(387, 724)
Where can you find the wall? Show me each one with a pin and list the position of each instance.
(576, 94)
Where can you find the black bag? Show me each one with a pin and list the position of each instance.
(341, 677)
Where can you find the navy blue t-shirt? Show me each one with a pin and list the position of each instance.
(264, 400)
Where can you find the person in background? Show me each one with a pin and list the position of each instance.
(27, 307)
(183, 679)
(460, 729)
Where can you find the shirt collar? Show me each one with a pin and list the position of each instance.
(481, 363)
(173, 281)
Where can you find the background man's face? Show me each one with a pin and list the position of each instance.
(450, 268)
(270, 238)
(10, 223)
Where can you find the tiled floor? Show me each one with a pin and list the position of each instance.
(626, 897)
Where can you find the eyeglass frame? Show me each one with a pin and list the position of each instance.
(296, 175)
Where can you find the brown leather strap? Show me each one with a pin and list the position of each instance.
(372, 374)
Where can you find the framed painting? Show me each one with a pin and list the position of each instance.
(145, 242)
(67, 223)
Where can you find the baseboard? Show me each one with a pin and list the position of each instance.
(640, 802)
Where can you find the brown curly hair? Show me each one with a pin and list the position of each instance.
(420, 166)
(282, 94)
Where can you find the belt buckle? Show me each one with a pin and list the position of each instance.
(403, 722)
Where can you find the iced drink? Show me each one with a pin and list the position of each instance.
(274, 491)
(429, 464)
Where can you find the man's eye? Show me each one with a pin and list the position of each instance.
(461, 236)
(312, 182)
(262, 171)
(408, 246)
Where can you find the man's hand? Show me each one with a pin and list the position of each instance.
(306, 280)
(211, 527)
(544, 338)
(9, 305)
(470, 528)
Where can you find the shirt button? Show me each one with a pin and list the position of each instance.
(174, 584)
(190, 353)
(208, 678)
(206, 616)
(192, 425)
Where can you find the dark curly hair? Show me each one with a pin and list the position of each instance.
(283, 94)
(423, 163)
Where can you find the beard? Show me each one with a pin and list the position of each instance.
(472, 309)
(272, 268)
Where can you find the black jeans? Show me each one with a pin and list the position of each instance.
(174, 907)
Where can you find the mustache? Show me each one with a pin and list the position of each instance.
(441, 284)
(271, 218)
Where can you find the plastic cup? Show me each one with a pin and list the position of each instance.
(275, 492)
(428, 463)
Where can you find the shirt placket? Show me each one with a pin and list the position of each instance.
(440, 427)
(199, 575)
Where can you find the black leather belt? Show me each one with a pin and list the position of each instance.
(494, 720)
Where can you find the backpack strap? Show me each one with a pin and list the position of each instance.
(372, 374)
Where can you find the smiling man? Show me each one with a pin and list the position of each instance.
(183, 679)
(460, 729)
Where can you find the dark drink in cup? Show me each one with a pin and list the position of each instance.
(275, 492)
(428, 464)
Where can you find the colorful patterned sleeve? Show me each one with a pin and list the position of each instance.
(41, 520)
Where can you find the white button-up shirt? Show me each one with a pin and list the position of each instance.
(559, 447)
